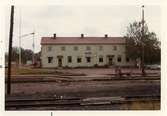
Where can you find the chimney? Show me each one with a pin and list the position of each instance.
(106, 36)
(82, 35)
(54, 36)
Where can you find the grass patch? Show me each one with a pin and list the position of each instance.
(40, 71)
(31, 71)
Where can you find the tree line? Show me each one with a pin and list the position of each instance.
(134, 41)
(26, 54)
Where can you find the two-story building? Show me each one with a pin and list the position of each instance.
(83, 51)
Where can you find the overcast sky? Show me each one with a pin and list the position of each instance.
(74, 20)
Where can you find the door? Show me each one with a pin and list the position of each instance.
(110, 61)
(59, 62)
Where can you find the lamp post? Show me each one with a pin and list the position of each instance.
(20, 36)
(33, 45)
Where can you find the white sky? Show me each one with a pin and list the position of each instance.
(74, 20)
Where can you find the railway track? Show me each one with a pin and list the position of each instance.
(14, 104)
(61, 79)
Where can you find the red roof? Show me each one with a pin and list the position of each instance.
(79, 40)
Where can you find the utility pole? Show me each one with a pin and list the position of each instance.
(142, 42)
(33, 46)
(10, 51)
(20, 41)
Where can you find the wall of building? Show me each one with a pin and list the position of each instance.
(95, 52)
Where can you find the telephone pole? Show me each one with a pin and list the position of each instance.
(142, 42)
(33, 47)
(10, 51)
(20, 41)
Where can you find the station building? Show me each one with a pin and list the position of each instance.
(83, 51)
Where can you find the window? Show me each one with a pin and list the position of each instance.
(63, 48)
(88, 48)
(100, 48)
(49, 48)
(79, 60)
(50, 59)
(88, 59)
(69, 59)
(75, 48)
(114, 47)
(100, 59)
(127, 59)
(119, 59)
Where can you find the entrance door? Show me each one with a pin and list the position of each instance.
(110, 61)
(60, 62)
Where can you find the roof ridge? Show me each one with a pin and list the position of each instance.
(85, 40)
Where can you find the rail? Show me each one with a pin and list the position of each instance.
(78, 102)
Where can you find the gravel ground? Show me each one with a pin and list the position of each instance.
(87, 88)
(91, 89)
(103, 71)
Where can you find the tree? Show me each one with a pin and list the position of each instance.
(25, 53)
(152, 50)
(15, 54)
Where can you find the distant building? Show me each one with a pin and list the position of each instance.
(28, 62)
(83, 51)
